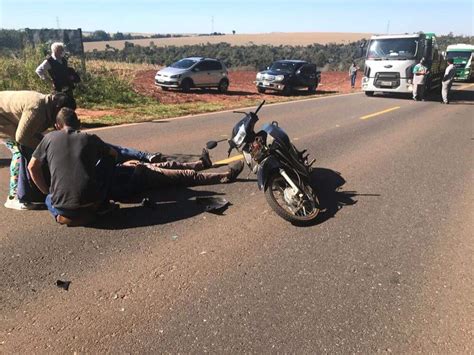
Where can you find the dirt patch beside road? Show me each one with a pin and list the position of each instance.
(172, 103)
(241, 88)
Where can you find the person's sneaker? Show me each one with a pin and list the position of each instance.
(155, 158)
(15, 204)
(235, 170)
(206, 159)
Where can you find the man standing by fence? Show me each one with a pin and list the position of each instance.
(62, 77)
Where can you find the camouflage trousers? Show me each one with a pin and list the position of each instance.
(14, 167)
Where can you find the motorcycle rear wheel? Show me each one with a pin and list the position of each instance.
(304, 214)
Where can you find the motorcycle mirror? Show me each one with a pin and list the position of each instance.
(211, 144)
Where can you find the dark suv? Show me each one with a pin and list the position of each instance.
(288, 75)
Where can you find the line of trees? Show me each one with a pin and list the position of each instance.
(330, 56)
(101, 35)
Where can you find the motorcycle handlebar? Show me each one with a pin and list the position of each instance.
(260, 106)
(256, 111)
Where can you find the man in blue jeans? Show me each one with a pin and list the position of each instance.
(83, 169)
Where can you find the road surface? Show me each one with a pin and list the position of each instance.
(387, 269)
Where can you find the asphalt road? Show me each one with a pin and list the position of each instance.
(387, 269)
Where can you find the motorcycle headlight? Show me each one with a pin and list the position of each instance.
(238, 139)
(177, 76)
(259, 76)
(279, 77)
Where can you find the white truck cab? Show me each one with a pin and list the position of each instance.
(390, 60)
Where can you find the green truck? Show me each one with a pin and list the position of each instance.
(462, 55)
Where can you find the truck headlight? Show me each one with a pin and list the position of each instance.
(259, 76)
(279, 78)
(177, 76)
(409, 81)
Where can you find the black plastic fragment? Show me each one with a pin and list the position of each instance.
(63, 284)
(213, 204)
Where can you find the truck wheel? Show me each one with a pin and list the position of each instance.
(287, 90)
(186, 85)
(369, 93)
(261, 90)
(312, 89)
(165, 88)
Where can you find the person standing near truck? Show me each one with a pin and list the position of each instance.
(419, 79)
(447, 82)
(353, 73)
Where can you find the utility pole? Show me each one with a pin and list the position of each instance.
(57, 22)
(212, 24)
(388, 26)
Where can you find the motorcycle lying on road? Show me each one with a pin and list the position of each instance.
(283, 172)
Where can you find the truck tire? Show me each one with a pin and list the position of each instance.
(369, 93)
(261, 90)
(312, 89)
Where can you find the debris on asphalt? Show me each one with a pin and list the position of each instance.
(146, 202)
(174, 237)
(213, 204)
(63, 284)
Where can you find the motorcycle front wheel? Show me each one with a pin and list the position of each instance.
(299, 209)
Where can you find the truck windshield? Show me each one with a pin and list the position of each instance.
(393, 48)
(283, 66)
(459, 55)
(183, 64)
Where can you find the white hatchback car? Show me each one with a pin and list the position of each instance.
(194, 72)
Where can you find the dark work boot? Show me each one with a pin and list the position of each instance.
(235, 170)
(206, 159)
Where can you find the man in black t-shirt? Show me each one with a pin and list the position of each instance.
(76, 190)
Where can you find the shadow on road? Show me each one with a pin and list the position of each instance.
(327, 183)
(457, 96)
(167, 205)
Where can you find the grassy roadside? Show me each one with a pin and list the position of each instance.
(101, 116)
(106, 96)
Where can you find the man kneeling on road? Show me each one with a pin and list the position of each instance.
(83, 172)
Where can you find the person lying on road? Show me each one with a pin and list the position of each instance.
(84, 173)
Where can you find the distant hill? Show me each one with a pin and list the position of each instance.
(273, 39)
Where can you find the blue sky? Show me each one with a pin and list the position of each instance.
(244, 16)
